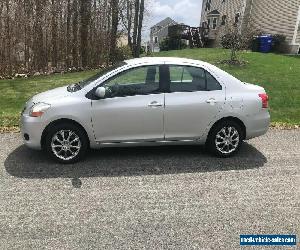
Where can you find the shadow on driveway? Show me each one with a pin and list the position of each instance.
(26, 163)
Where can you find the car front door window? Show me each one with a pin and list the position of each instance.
(137, 81)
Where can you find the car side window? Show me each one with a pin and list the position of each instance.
(191, 79)
(137, 81)
(211, 83)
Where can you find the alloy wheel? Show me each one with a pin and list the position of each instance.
(227, 140)
(65, 144)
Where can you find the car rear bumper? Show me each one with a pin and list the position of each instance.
(258, 125)
(31, 131)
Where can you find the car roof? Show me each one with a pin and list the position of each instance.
(162, 60)
(217, 72)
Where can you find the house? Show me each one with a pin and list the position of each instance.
(159, 32)
(122, 40)
(271, 17)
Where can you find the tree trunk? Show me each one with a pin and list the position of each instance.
(39, 55)
(2, 64)
(129, 23)
(8, 38)
(68, 33)
(85, 16)
(75, 34)
(135, 27)
(114, 30)
(54, 34)
(140, 26)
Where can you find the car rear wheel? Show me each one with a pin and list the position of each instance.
(225, 139)
(66, 143)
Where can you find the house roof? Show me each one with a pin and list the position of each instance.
(164, 22)
(214, 12)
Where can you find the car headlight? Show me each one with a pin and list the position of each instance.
(38, 109)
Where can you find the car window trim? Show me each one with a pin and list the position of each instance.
(193, 66)
(91, 94)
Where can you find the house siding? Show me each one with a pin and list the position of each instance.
(160, 30)
(275, 17)
(269, 16)
(229, 8)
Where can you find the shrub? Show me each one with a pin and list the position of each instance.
(172, 44)
(123, 53)
(278, 43)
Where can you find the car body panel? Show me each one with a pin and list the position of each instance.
(128, 118)
(184, 118)
(188, 115)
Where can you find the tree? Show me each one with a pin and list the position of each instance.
(75, 34)
(235, 40)
(68, 34)
(63, 33)
(39, 55)
(85, 16)
(140, 25)
(54, 34)
(114, 29)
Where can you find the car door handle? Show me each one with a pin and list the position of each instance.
(154, 104)
(211, 101)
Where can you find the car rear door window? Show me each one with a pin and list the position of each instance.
(191, 79)
(211, 83)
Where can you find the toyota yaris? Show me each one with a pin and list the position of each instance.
(143, 102)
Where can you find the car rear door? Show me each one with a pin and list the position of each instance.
(195, 98)
(132, 110)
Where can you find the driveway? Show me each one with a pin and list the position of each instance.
(151, 198)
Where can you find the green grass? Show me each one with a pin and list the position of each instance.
(14, 93)
(278, 74)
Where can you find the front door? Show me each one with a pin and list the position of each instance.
(132, 109)
(195, 98)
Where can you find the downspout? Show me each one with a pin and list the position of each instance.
(296, 28)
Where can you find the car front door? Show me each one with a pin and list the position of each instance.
(195, 98)
(132, 109)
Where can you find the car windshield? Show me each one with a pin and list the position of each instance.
(104, 71)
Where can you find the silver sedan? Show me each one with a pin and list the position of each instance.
(146, 102)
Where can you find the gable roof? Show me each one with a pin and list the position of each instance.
(164, 22)
(214, 12)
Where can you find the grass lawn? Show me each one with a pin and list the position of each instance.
(278, 74)
(14, 93)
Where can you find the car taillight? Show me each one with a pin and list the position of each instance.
(264, 100)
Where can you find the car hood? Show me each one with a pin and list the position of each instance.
(51, 95)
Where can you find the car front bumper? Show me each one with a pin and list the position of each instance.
(31, 131)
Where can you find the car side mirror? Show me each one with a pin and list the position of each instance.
(100, 92)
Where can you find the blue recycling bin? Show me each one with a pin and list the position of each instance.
(265, 43)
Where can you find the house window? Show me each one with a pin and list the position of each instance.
(223, 20)
(215, 23)
(208, 23)
(208, 5)
(156, 39)
(237, 18)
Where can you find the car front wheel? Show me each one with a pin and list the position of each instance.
(225, 139)
(66, 143)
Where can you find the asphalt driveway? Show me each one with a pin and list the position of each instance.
(149, 198)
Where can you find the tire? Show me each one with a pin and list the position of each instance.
(66, 143)
(225, 139)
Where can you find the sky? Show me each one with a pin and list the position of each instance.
(181, 11)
